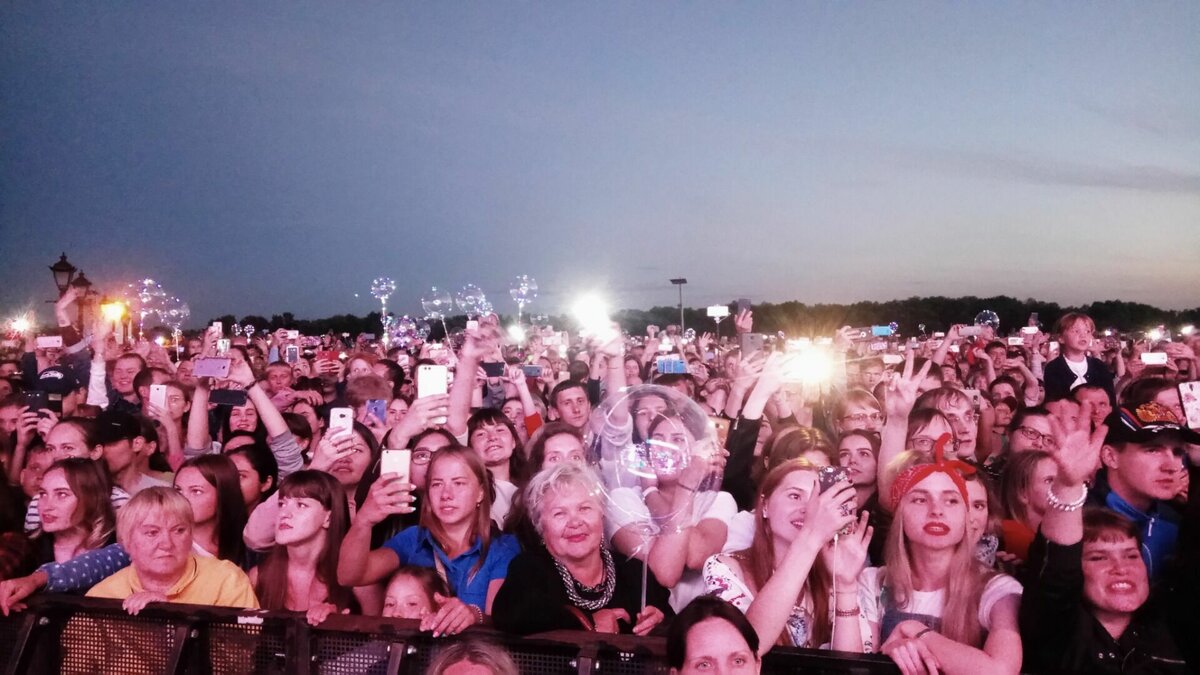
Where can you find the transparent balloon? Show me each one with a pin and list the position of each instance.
(655, 439)
(175, 313)
(423, 330)
(471, 301)
(437, 303)
(689, 335)
(524, 289)
(382, 288)
(988, 318)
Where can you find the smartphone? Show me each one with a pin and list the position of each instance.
(974, 395)
(970, 331)
(743, 305)
(472, 325)
(402, 360)
(1033, 322)
(219, 326)
(377, 407)
(212, 367)
(1053, 345)
(718, 311)
(1016, 341)
(750, 343)
(158, 396)
(881, 331)
(493, 369)
(49, 342)
(893, 359)
(230, 397)
(223, 346)
(954, 349)
(367, 337)
(1189, 395)
(669, 365)
(878, 346)
(397, 462)
(341, 418)
(327, 355)
(827, 477)
(291, 354)
(532, 371)
(1154, 358)
(860, 333)
(293, 335)
(431, 380)
(1029, 330)
(36, 400)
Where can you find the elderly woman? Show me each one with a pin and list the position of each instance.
(155, 527)
(573, 581)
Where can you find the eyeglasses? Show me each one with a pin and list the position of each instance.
(863, 418)
(422, 456)
(1031, 434)
(925, 444)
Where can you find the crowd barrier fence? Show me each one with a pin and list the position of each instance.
(62, 634)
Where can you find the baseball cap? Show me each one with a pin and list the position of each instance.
(56, 380)
(1146, 423)
(113, 426)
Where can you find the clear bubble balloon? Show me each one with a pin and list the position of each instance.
(175, 313)
(689, 335)
(237, 330)
(249, 330)
(524, 290)
(653, 438)
(539, 320)
(988, 318)
(471, 301)
(437, 303)
(382, 288)
(423, 330)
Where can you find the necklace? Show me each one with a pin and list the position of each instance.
(605, 588)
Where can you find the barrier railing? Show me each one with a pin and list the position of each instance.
(87, 635)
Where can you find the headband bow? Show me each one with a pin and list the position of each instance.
(953, 468)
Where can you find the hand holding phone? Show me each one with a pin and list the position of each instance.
(341, 419)
(158, 396)
(396, 462)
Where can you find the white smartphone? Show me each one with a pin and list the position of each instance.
(49, 342)
(223, 346)
(954, 349)
(1154, 358)
(893, 359)
(472, 325)
(1054, 345)
(431, 380)
(1029, 330)
(158, 396)
(220, 327)
(1016, 341)
(341, 418)
(1189, 396)
(397, 462)
(293, 334)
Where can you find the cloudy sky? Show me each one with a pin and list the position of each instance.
(269, 157)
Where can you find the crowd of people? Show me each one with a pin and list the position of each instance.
(965, 503)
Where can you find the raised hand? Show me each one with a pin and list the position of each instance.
(1078, 451)
(333, 447)
(388, 495)
(827, 513)
(903, 388)
(744, 321)
(848, 557)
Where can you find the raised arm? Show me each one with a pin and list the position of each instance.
(901, 395)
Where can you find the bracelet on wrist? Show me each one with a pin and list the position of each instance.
(1054, 502)
(847, 613)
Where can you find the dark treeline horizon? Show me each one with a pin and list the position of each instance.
(796, 318)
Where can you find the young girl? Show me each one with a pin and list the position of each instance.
(783, 582)
(1027, 482)
(210, 484)
(300, 572)
(456, 537)
(76, 514)
(257, 473)
(935, 606)
(412, 593)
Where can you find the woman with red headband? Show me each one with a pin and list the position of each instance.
(934, 607)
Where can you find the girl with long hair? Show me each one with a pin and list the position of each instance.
(77, 515)
(300, 572)
(455, 536)
(211, 485)
(934, 606)
(491, 434)
(784, 581)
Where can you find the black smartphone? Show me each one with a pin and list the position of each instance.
(36, 400)
(743, 305)
(230, 397)
(829, 476)
(493, 369)
(532, 371)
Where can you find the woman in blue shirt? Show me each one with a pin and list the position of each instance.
(455, 537)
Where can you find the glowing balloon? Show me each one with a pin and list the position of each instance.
(471, 301)
(437, 303)
(382, 288)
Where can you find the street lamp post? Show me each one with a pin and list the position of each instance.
(84, 295)
(64, 272)
(680, 282)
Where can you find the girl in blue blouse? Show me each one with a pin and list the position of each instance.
(455, 537)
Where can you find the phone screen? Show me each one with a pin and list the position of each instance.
(377, 408)
(1189, 396)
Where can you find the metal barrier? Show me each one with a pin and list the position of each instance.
(86, 635)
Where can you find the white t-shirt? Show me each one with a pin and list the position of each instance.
(930, 603)
(505, 491)
(741, 532)
(1080, 369)
(628, 507)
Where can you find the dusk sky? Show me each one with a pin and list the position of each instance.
(257, 158)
